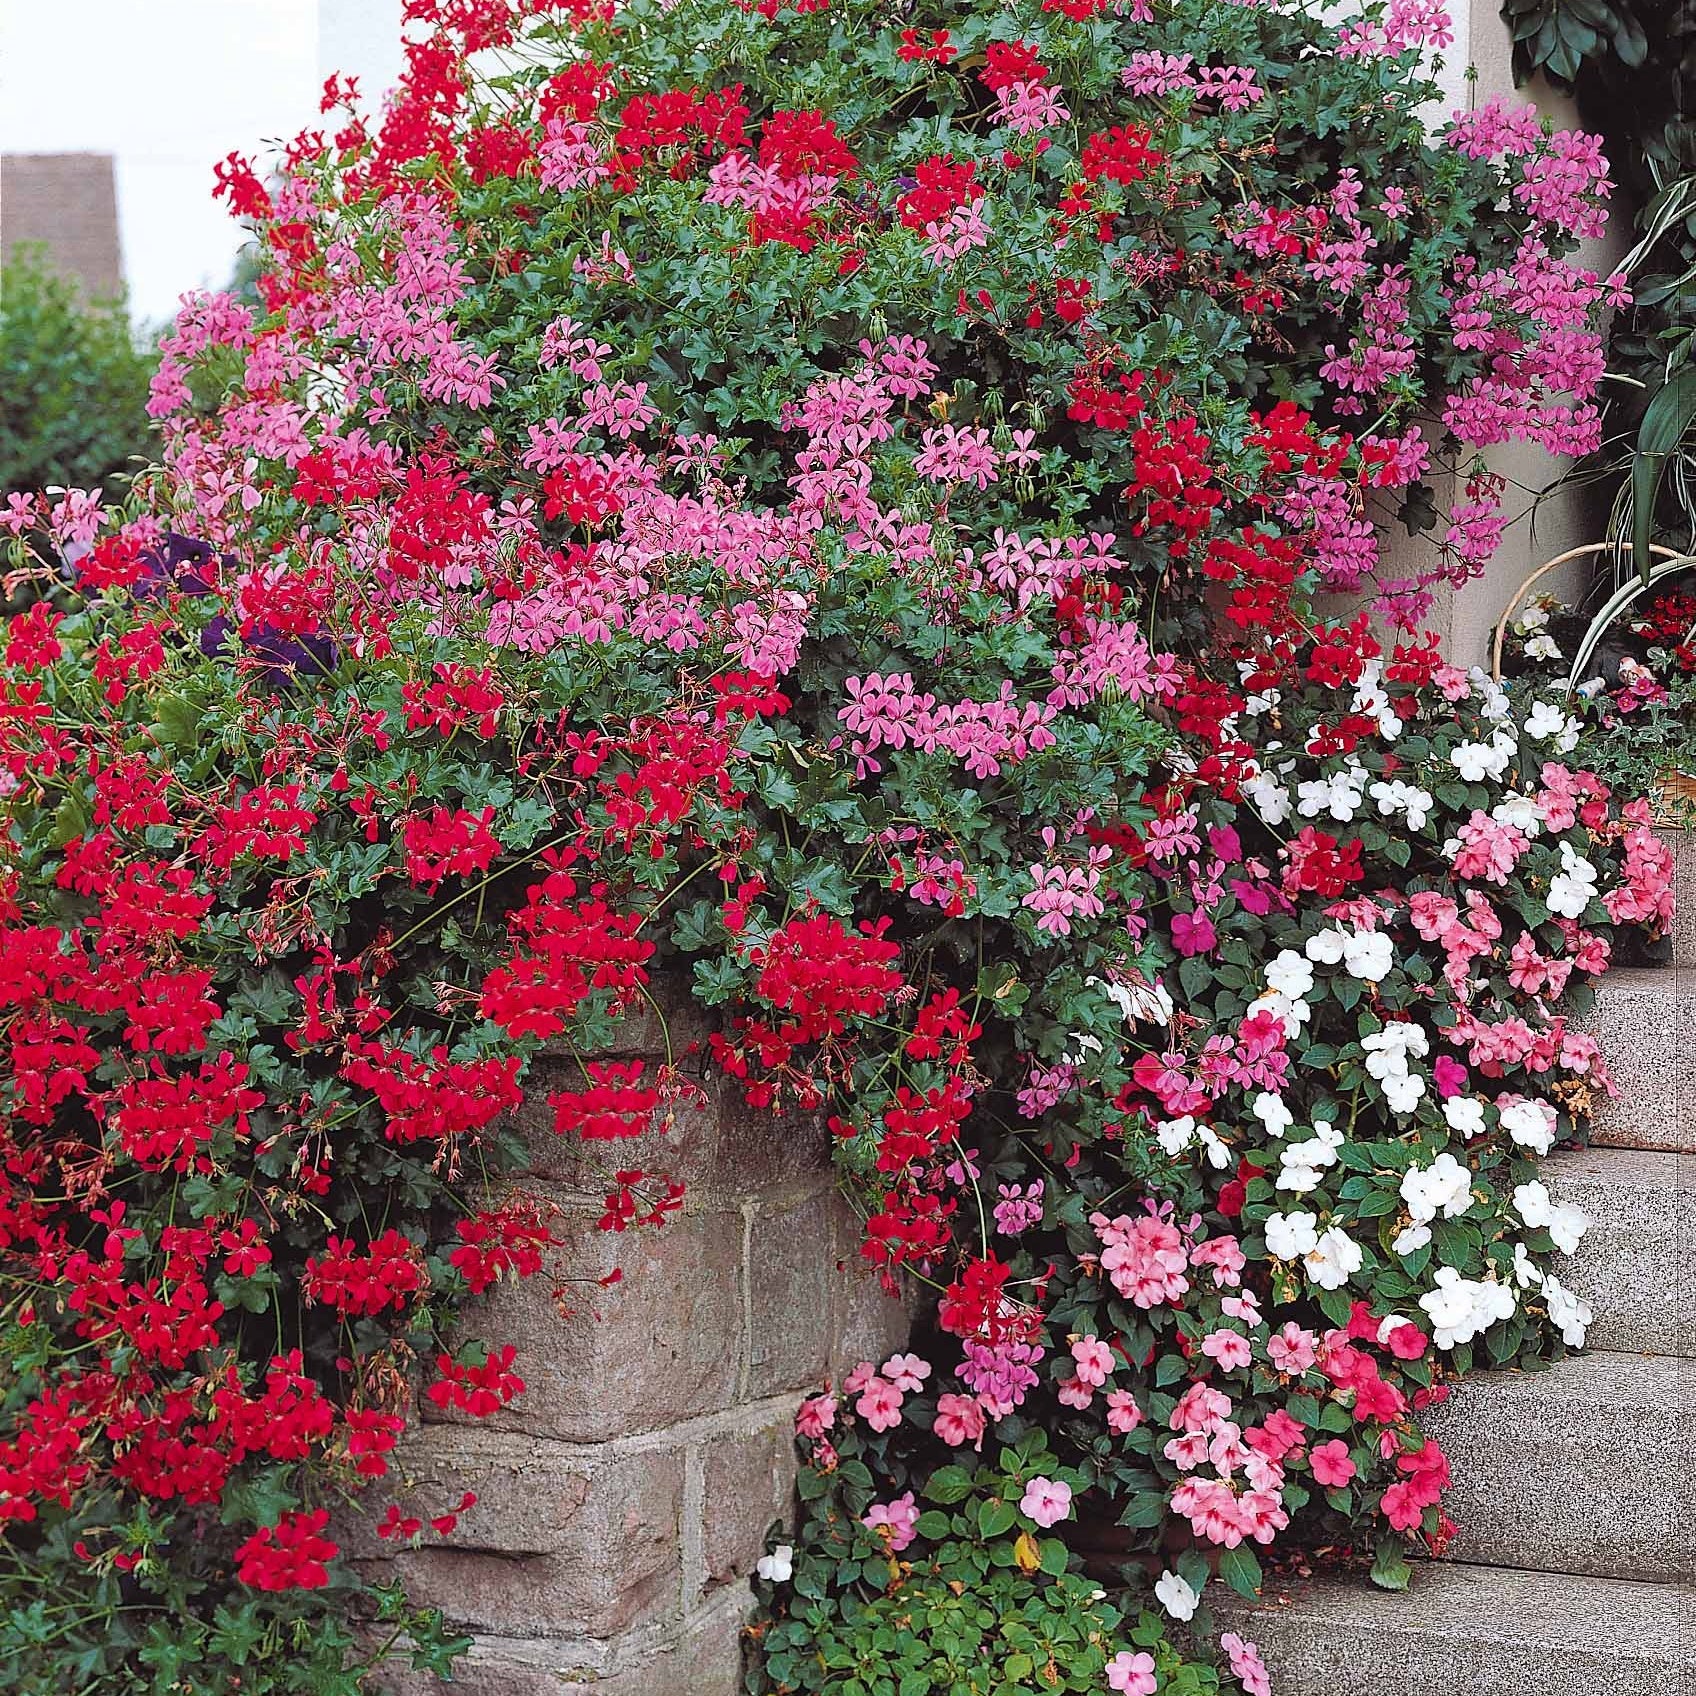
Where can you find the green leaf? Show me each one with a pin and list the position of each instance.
(1663, 426)
(948, 1484)
(1240, 1569)
(1390, 1569)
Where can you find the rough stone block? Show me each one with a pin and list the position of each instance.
(867, 1322)
(702, 1657)
(712, 1142)
(507, 1666)
(747, 1483)
(663, 1344)
(792, 1274)
(593, 1543)
(1684, 892)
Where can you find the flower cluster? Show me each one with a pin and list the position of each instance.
(834, 532)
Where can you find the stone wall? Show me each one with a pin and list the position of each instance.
(625, 1496)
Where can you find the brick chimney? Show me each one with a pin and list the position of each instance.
(68, 203)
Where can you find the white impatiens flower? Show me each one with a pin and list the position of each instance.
(1141, 1001)
(1476, 761)
(1176, 1135)
(1464, 1115)
(1523, 812)
(1290, 974)
(779, 1566)
(1543, 646)
(1333, 1260)
(1404, 1094)
(1462, 1308)
(1531, 1124)
(1411, 1238)
(1301, 1163)
(1573, 887)
(1325, 948)
(1496, 702)
(1270, 1110)
(1548, 723)
(1445, 1187)
(1339, 797)
(1566, 1224)
(1371, 699)
(1567, 1311)
(1368, 955)
(1176, 1597)
(1297, 1176)
(1291, 1235)
(1364, 954)
(1405, 798)
(1292, 1015)
(1387, 1052)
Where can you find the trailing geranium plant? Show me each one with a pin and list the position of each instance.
(826, 505)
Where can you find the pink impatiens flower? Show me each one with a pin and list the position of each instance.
(1131, 1675)
(1333, 1466)
(880, 1405)
(1246, 1664)
(1230, 1348)
(897, 1519)
(1123, 1414)
(1145, 1258)
(1292, 1349)
(1094, 1360)
(1073, 1392)
(907, 1372)
(1047, 1501)
(817, 1416)
(960, 1419)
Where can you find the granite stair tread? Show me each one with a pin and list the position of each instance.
(1632, 1265)
(1468, 1630)
(1583, 1468)
(1645, 1020)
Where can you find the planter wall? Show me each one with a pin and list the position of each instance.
(625, 1496)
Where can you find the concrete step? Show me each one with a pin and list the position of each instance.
(1584, 1468)
(1476, 1631)
(1636, 1261)
(1645, 1020)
